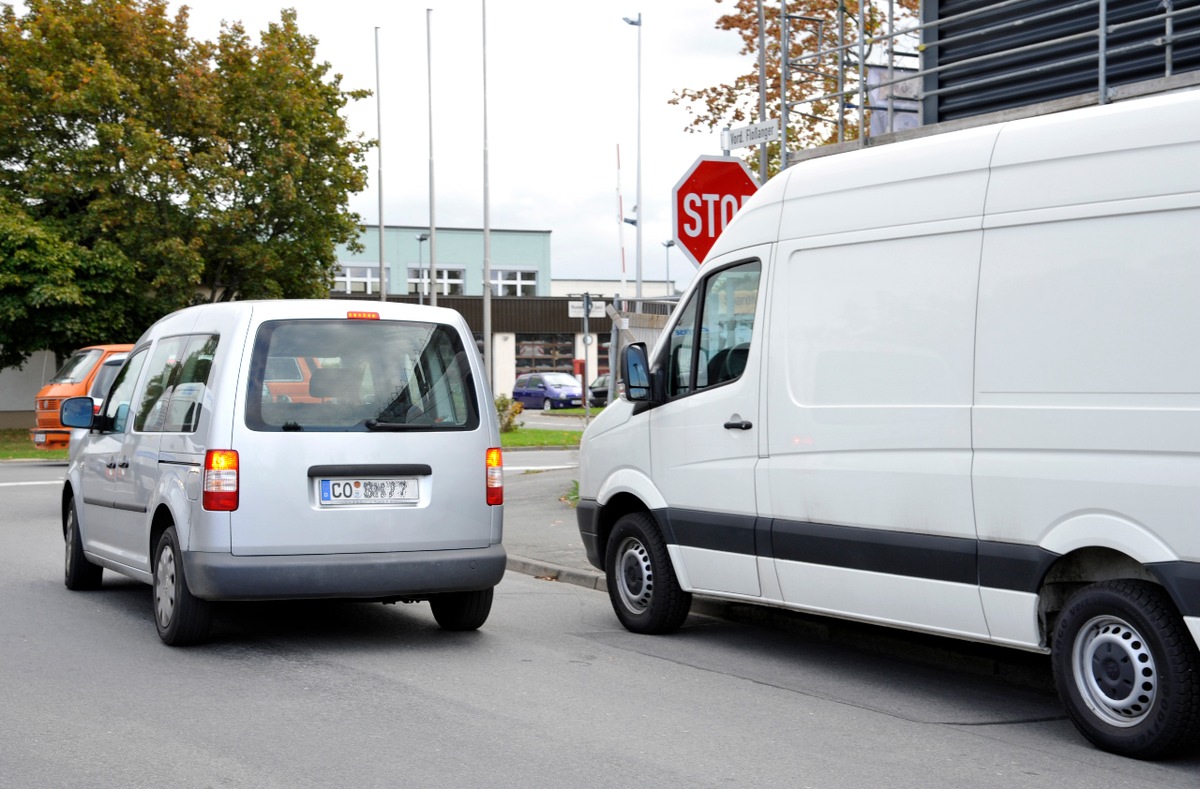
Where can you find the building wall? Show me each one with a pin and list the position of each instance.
(18, 387)
(526, 252)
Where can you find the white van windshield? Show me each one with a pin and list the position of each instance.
(359, 375)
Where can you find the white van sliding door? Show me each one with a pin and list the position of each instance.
(868, 477)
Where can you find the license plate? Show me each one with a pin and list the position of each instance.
(39, 438)
(367, 491)
(576, 402)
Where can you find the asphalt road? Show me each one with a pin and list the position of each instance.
(551, 691)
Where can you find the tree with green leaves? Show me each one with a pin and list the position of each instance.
(142, 170)
(815, 29)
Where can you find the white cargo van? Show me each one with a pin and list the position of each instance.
(950, 385)
(292, 449)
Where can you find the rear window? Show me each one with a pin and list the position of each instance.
(77, 367)
(359, 375)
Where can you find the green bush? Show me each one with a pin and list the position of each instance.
(507, 410)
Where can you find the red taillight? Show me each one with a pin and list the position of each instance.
(495, 477)
(221, 480)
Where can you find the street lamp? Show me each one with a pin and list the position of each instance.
(421, 239)
(638, 24)
(670, 242)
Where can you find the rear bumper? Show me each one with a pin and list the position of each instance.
(366, 576)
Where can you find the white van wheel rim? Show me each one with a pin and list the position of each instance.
(1114, 671)
(635, 575)
(164, 586)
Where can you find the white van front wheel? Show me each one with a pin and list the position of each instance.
(642, 586)
(1127, 669)
(180, 617)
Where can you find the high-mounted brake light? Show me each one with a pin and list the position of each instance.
(220, 480)
(495, 477)
(362, 316)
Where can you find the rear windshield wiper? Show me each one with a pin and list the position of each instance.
(375, 424)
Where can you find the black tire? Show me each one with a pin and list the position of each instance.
(642, 585)
(462, 610)
(1127, 670)
(547, 405)
(81, 575)
(180, 617)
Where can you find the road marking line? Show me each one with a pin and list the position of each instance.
(18, 484)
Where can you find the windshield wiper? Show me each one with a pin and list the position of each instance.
(375, 424)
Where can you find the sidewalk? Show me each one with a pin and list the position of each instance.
(541, 534)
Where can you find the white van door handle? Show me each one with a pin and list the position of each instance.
(741, 425)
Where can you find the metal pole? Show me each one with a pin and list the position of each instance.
(640, 206)
(383, 289)
(762, 97)
(487, 224)
(1102, 65)
(862, 73)
(432, 221)
(785, 52)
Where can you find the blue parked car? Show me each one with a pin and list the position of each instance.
(547, 391)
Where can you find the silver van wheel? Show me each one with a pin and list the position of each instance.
(79, 574)
(1114, 671)
(164, 586)
(179, 616)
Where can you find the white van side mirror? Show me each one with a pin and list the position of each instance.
(635, 372)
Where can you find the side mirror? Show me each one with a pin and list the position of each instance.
(635, 372)
(77, 412)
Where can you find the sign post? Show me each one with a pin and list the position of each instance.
(705, 200)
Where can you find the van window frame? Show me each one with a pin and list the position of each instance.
(695, 310)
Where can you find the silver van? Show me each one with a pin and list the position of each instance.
(292, 449)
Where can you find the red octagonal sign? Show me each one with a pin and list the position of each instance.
(705, 200)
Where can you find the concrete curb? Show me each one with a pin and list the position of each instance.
(590, 579)
(1013, 667)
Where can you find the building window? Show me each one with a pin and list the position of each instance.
(545, 353)
(514, 283)
(450, 281)
(357, 279)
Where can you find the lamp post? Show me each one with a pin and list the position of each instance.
(421, 239)
(638, 209)
(670, 242)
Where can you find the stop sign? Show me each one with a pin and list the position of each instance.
(705, 200)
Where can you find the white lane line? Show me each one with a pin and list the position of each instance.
(18, 484)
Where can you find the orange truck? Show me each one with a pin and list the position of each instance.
(75, 378)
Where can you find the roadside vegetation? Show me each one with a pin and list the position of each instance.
(15, 444)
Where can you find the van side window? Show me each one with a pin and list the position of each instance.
(174, 392)
(711, 340)
(116, 406)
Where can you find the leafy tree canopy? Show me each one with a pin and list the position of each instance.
(142, 170)
(816, 29)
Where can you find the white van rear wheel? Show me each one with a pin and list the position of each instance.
(1127, 669)
(642, 586)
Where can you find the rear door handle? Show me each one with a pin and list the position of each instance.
(742, 425)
